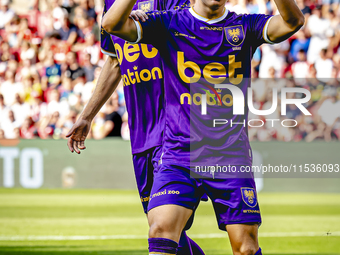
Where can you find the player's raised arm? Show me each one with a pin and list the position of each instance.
(290, 20)
(116, 21)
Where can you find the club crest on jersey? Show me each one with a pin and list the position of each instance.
(234, 35)
(249, 196)
(145, 6)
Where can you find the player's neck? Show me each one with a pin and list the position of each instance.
(207, 11)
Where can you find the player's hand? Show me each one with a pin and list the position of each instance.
(77, 135)
(139, 15)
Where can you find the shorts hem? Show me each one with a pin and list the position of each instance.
(108, 53)
(169, 203)
(223, 224)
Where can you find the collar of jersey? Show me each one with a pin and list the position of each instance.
(209, 21)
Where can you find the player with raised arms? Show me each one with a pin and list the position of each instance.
(210, 45)
(140, 68)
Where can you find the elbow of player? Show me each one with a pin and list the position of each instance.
(301, 21)
(110, 26)
(106, 25)
(297, 23)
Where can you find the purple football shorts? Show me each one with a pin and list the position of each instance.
(143, 167)
(234, 199)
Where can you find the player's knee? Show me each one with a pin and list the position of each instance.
(160, 229)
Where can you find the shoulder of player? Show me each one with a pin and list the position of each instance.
(163, 12)
(167, 15)
(244, 18)
(234, 15)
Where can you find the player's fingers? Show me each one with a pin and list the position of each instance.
(145, 16)
(78, 146)
(70, 144)
(70, 132)
(134, 15)
(75, 147)
(81, 145)
(142, 16)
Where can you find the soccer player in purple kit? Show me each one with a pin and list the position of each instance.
(140, 68)
(209, 43)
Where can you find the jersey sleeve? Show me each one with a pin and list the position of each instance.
(258, 28)
(154, 30)
(106, 43)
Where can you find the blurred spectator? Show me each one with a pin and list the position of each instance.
(65, 89)
(70, 7)
(50, 62)
(32, 90)
(67, 31)
(323, 66)
(273, 56)
(52, 69)
(320, 30)
(300, 68)
(84, 26)
(9, 126)
(91, 13)
(5, 52)
(48, 125)
(89, 68)
(110, 122)
(58, 14)
(28, 130)
(301, 42)
(57, 105)
(73, 70)
(24, 33)
(87, 89)
(27, 53)
(304, 8)
(6, 14)
(21, 110)
(11, 31)
(237, 6)
(3, 108)
(9, 88)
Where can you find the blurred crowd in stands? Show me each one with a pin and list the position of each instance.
(51, 58)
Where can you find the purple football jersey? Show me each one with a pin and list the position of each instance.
(106, 43)
(142, 73)
(198, 53)
(171, 4)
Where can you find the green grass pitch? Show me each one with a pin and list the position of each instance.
(107, 222)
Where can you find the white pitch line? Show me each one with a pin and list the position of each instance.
(127, 237)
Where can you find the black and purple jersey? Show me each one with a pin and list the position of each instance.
(106, 43)
(197, 50)
(142, 73)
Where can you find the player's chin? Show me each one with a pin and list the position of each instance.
(216, 4)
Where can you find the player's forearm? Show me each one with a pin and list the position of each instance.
(290, 13)
(117, 16)
(107, 83)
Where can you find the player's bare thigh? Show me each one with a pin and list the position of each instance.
(168, 221)
(243, 238)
